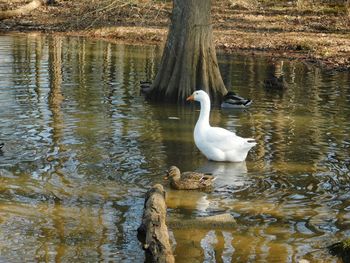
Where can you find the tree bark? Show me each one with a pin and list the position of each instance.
(23, 10)
(153, 232)
(189, 59)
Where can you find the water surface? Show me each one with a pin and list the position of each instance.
(82, 147)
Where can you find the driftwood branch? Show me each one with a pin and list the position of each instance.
(153, 232)
(23, 10)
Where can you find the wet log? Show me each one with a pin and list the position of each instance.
(153, 231)
(23, 10)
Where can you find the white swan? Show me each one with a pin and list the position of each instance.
(217, 144)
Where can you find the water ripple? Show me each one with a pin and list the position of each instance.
(82, 148)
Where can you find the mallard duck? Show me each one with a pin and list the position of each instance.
(188, 180)
(217, 144)
(145, 87)
(232, 100)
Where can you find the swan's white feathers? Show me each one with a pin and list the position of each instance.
(217, 144)
(226, 140)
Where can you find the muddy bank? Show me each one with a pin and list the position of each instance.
(318, 35)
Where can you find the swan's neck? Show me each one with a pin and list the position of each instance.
(203, 120)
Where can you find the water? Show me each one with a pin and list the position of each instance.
(82, 147)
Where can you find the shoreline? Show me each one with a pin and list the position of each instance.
(272, 33)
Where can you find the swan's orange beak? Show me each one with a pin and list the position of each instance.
(190, 98)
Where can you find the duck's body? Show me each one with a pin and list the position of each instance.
(145, 87)
(189, 180)
(234, 101)
(216, 143)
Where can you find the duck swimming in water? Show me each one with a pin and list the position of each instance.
(188, 180)
(145, 87)
(234, 101)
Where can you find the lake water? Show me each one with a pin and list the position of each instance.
(82, 147)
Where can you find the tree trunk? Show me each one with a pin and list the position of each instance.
(23, 10)
(189, 59)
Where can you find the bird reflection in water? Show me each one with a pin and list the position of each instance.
(205, 243)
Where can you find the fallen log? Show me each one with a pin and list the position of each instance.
(23, 10)
(153, 231)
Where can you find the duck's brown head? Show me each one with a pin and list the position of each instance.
(173, 173)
